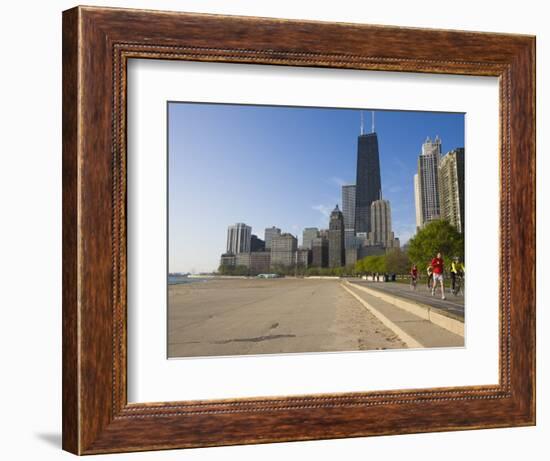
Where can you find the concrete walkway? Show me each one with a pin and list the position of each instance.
(413, 330)
(453, 305)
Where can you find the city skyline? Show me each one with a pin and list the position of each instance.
(310, 144)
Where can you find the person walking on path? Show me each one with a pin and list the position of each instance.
(437, 268)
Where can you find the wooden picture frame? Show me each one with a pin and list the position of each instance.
(97, 43)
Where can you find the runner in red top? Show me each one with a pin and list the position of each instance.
(437, 266)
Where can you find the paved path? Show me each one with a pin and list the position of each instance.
(415, 331)
(453, 304)
(255, 316)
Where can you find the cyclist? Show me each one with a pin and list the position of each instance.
(429, 271)
(414, 276)
(457, 270)
(437, 267)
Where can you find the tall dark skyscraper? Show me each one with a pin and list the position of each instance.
(368, 184)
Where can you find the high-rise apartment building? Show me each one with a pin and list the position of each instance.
(270, 232)
(428, 181)
(368, 183)
(336, 252)
(348, 210)
(308, 234)
(238, 238)
(451, 188)
(417, 202)
(381, 233)
(283, 250)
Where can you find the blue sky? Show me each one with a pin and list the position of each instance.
(282, 166)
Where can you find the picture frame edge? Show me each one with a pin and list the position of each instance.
(96, 416)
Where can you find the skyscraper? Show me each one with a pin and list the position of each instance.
(336, 254)
(417, 202)
(428, 181)
(381, 233)
(303, 257)
(348, 210)
(368, 183)
(319, 252)
(451, 188)
(256, 244)
(270, 232)
(238, 238)
(283, 250)
(308, 235)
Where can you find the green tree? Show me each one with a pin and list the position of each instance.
(313, 271)
(397, 262)
(371, 264)
(436, 237)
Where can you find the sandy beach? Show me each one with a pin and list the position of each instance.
(222, 317)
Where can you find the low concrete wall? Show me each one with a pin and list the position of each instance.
(420, 310)
(322, 277)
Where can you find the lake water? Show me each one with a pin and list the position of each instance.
(179, 279)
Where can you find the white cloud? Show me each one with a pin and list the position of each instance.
(338, 181)
(323, 209)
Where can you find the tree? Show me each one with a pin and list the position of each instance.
(436, 237)
(397, 262)
(371, 264)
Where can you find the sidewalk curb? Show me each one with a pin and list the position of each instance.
(406, 338)
(420, 310)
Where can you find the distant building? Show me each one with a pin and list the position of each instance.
(371, 250)
(368, 183)
(238, 238)
(381, 233)
(451, 188)
(351, 256)
(348, 210)
(418, 202)
(354, 241)
(242, 259)
(309, 233)
(336, 253)
(428, 182)
(260, 262)
(257, 262)
(270, 232)
(303, 257)
(283, 249)
(228, 260)
(256, 243)
(319, 252)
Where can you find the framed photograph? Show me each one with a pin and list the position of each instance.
(281, 230)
